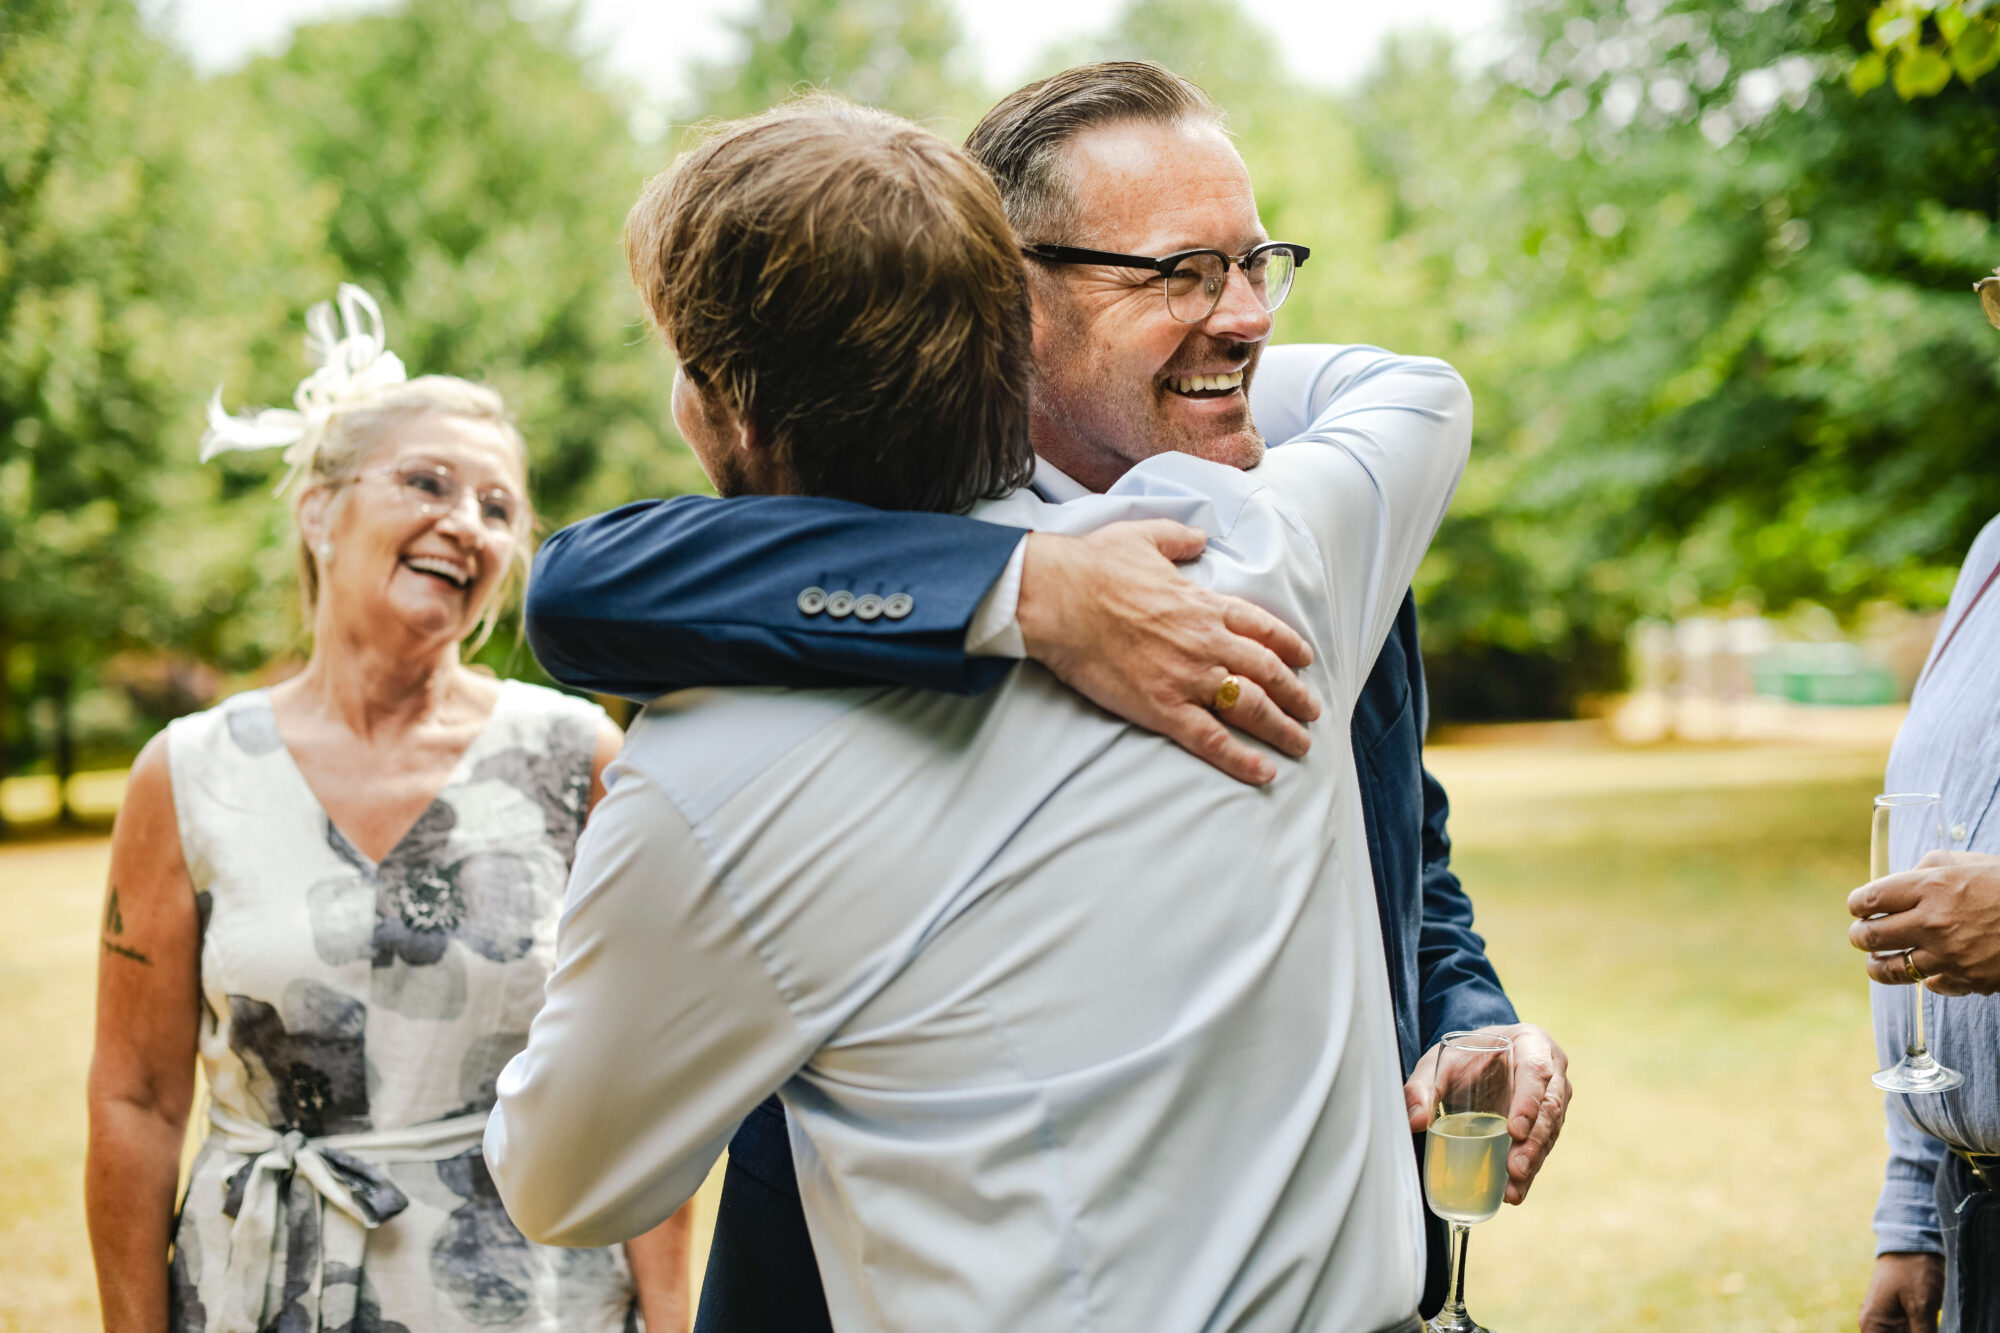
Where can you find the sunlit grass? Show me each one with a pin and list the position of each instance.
(1686, 944)
(1673, 916)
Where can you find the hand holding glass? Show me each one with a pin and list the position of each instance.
(1465, 1148)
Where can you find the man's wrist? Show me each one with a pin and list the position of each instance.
(1040, 613)
(995, 630)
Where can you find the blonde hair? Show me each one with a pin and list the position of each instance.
(353, 434)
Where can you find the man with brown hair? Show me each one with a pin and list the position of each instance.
(1073, 1030)
(667, 594)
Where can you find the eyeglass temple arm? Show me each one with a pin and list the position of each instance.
(1070, 254)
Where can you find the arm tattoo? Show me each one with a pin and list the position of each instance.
(114, 924)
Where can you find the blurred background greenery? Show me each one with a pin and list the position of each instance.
(1704, 262)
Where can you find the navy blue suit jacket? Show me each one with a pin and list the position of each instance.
(667, 594)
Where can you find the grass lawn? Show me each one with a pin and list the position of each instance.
(1674, 916)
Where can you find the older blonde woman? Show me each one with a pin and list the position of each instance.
(340, 894)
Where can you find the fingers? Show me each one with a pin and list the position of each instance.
(1524, 1163)
(1254, 622)
(1254, 713)
(1176, 541)
(1891, 893)
(1893, 969)
(1886, 934)
(1196, 730)
(1532, 1075)
(1250, 661)
(1419, 1094)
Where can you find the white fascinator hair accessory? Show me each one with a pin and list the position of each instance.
(353, 363)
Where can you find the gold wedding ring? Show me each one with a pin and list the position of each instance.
(1910, 962)
(1227, 693)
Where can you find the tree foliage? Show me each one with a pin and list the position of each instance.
(1918, 45)
(136, 252)
(1711, 298)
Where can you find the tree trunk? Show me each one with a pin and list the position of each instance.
(6, 715)
(65, 755)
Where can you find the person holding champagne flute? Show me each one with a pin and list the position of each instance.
(1936, 927)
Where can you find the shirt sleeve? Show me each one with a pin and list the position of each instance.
(996, 625)
(662, 1028)
(1906, 1218)
(1458, 988)
(1371, 473)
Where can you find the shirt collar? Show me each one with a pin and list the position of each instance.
(1055, 485)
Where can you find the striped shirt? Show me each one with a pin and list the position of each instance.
(1949, 745)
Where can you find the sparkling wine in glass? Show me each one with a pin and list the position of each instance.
(1908, 825)
(1465, 1149)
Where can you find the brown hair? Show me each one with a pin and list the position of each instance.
(846, 281)
(1021, 141)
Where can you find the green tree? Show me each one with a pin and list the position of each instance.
(478, 181)
(134, 249)
(1918, 45)
(905, 56)
(1715, 312)
(1787, 383)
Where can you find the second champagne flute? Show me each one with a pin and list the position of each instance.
(1907, 826)
(1465, 1148)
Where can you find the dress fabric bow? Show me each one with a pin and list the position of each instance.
(291, 1177)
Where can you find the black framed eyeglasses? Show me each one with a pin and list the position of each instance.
(1194, 279)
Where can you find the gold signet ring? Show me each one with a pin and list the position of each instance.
(1227, 693)
(1910, 962)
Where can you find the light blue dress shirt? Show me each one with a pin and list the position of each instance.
(1950, 745)
(1072, 1031)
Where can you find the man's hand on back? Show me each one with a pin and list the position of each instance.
(1541, 1100)
(1109, 614)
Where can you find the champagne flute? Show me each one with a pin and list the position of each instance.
(1465, 1148)
(1907, 826)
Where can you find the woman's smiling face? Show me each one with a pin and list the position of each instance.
(424, 534)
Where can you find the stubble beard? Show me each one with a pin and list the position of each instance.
(1097, 428)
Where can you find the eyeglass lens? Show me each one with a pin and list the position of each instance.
(1195, 288)
(435, 489)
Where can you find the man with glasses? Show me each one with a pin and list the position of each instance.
(1153, 287)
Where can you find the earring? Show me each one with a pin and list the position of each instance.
(325, 551)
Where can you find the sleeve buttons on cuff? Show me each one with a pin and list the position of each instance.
(897, 605)
(812, 601)
(867, 606)
(839, 604)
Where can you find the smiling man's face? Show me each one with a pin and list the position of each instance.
(1119, 378)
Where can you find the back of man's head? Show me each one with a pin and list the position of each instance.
(1023, 141)
(847, 283)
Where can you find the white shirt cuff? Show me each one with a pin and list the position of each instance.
(995, 631)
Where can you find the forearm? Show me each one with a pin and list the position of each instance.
(660, 1029)
(659, 1263)
(663, 595)
(1906, 1217)
(1458, 987)
(130, 1170)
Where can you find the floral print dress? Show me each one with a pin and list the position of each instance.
(354, 1018)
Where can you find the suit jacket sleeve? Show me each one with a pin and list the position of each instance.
(1458, 988)
(665, 594)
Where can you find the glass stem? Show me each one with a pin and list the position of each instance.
(1916, 1047)
(1453, 1313)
